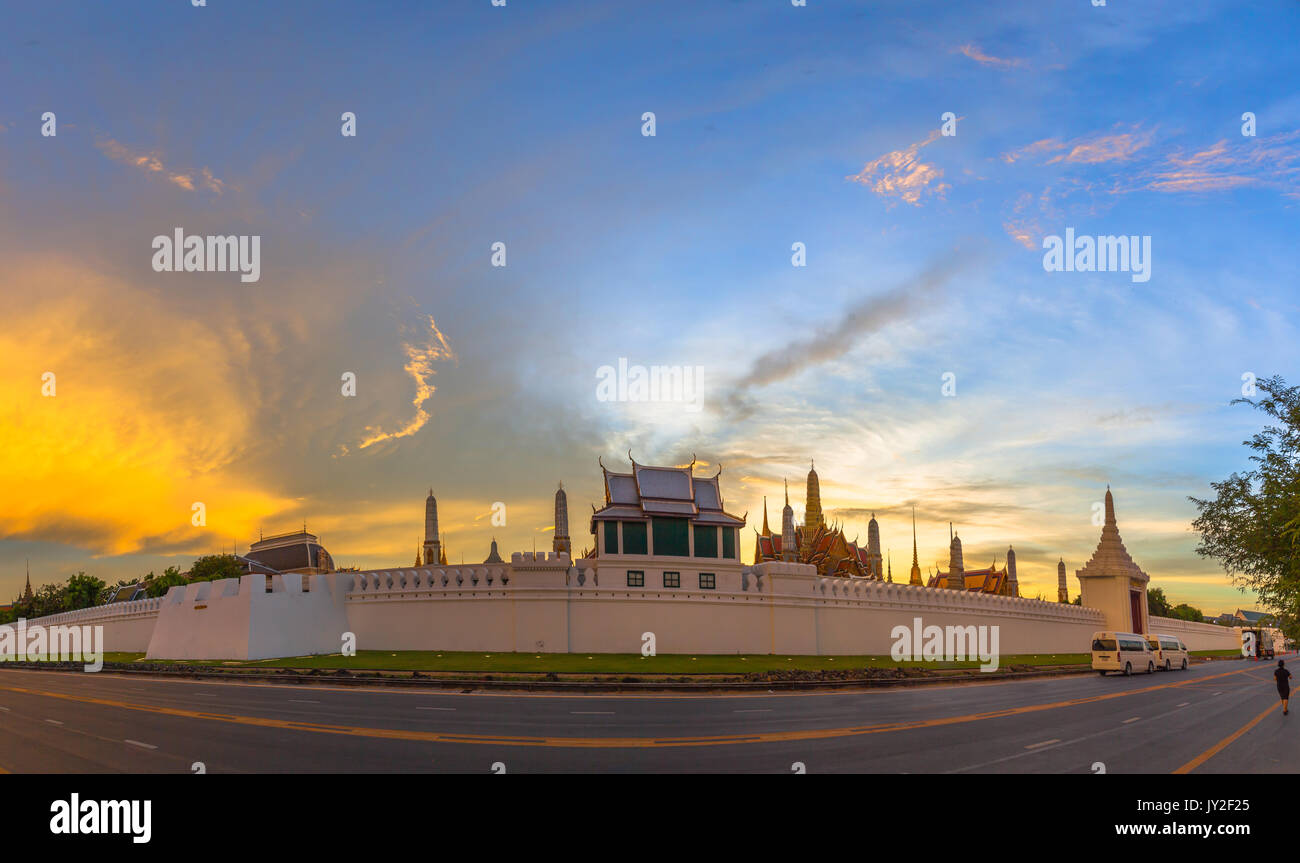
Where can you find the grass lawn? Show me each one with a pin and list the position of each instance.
(598, 663)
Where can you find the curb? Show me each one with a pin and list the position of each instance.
(466, 684)
(290, 678)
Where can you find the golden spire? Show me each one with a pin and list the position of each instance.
(766, 530)
(813, 505)
(915, 577)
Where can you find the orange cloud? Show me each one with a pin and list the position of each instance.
(1087, 149)
(419, 365)
(152, 163)
(900, 174)
(149, 415)
(974, 53)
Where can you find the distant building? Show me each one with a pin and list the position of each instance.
(1001, 582)
(1254, 618)
(434, 553)
(815, 542)
(127, 593)
(297, 552)
(665, 512)
(561, 544)
(1112, 582)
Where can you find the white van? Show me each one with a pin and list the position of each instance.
(1170, 652)
(1121, 651)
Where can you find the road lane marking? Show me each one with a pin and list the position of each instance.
(1044, 743)
(303, 701)
(1133, 719)
(5, 709)
(754, 710)
(693, 696)
(1223, 744)
(54, 722)
(435, 708)
(1185, 703)
(141, 745)
(594, 742)
(1045, 748)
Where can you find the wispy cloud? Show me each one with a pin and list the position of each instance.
(973, 52)
(1087, 149)
(901, 174)
(419, 365)
(152, 163)
(1271, 162)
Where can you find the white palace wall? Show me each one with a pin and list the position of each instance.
(1197, 636)
(549, 606)
(128, 626)
(544, 603)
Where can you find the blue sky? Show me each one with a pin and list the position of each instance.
(522, 125)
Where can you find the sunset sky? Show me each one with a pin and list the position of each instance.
(523, 125)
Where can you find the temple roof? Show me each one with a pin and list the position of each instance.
(650, 491)
(1111, 557)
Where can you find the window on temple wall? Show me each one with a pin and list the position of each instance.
(634, 538)
(635, 579)
(672, 537)
(672, 579)
(708, 581)
(706, 541)
(611, 537)
(729, 543)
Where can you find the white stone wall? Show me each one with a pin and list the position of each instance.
(128, 626)
(547, 603)
(774, 608)
(1197, 636)
(249, 618)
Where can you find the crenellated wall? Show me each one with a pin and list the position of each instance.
(1197, 636)
(128, 626)
(545, 602)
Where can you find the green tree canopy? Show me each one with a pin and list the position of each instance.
(1252, 524)
(156, 586)
(82, 591)
(1157, 604)
(213, 566)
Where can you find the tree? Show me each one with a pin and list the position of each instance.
(1183, 611)
(1252, 524)
(213, 566)
(49, 599)
(156, 587)
(82, 591)
(1157, 604)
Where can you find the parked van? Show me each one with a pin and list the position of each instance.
(1121, 651)
(1170, 651)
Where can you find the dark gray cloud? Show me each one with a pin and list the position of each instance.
(841, 334)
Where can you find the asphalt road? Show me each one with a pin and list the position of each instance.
(1217, 717)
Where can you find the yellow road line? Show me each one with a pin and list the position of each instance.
(1223, 744)
(594, 742)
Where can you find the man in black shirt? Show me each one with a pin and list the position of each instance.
(1283, 678)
